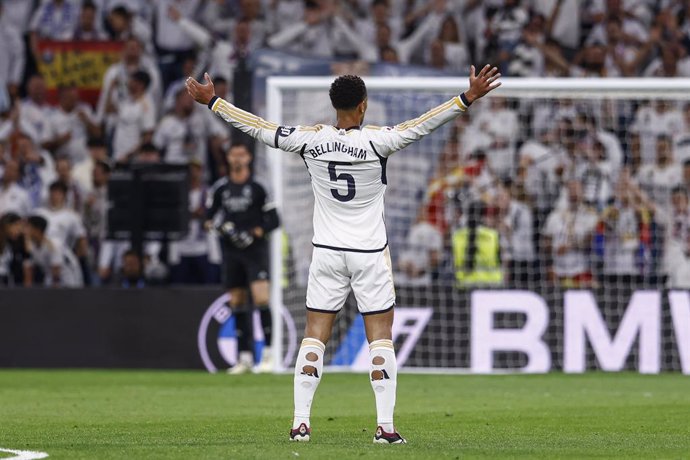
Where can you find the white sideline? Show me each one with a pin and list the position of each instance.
(23, 454)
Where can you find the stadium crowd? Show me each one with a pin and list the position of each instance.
(569, 192)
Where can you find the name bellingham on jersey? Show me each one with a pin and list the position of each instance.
(347, 168)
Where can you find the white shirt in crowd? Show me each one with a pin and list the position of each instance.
(197, 242)
(650, 122)
(15, 199)
(519, 245)
(622, 242)
(169, 35)
(502, 125)
(658, 182)
(184, 139)
(55, 22)
(570, 228)
(12, 54)
(134, 118)
(18, 13)
(38, 117)
(52, 253)
(422, 240)
(676, 245)
(61, 123)
(118, 73)
(64, 225)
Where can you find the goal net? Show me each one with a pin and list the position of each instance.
(567, 191)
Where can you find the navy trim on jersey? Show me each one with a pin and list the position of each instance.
(383, 161)
(379, 311)
(275, 141)
(212, 101)
(464, 100)
(351, 127)
(336, 248)
(333, 312)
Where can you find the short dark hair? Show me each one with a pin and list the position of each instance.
(121, 11)
(347, 92)
(142, 77)
(38, 222)
(104, 165)
(238, 144)
(679, 189)
(664, 138)
(11, 217)
(148, 147)
(58, 185)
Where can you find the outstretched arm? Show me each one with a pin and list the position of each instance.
(260, 129)
(388, 140)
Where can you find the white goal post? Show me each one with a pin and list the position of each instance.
(278, 89)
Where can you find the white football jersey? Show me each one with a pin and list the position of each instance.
(347, 168)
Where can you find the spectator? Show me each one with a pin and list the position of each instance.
(38, 168)
(183, 134)
(653, 119)
(620, 225)
(310, 36)
(15, 267)
(190, 256)
(34, 110)
(136, 117)
(501, 123)
(567, 238)
(70, 125)
(404, 50)
(675, 222)
(124, 25)
(95, 212)
(13, 198)
(12, 55)
(75, 195)
(89, 26)
(54, 20)
(527, 59)
(515, 226)
(477, 251)
(658, 179)
(172, 44)
(118, 74)
(420, 260)
(681, 138)
(18, 13)
(219, 56)
(65, 227)
(505, 30)
(132, 275)
(83, 171)
(597, 176)
(53, 263)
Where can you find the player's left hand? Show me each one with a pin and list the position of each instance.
(200, 93)
(482, 84)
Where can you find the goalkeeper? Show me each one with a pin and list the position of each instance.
(239, 209)
(347, 166)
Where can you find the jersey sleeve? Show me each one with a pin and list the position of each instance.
(287, 138)
(388, 140)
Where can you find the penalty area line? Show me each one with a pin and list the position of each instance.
(22, 454)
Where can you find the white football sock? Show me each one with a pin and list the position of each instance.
(384, 377)
(308, 370)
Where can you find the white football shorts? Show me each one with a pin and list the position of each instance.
(332, 273)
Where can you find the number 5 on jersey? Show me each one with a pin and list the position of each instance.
(335, 177)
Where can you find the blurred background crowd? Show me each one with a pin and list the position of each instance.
(568, 192)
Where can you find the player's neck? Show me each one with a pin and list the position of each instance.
(348, 119)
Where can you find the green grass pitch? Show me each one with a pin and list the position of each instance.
(192, 415)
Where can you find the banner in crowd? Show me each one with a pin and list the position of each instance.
(441, 328)
(76, 63)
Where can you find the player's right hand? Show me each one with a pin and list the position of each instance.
(200, 93)
(481, 84)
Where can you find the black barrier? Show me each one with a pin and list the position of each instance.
(160, 328)
(102, 328)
